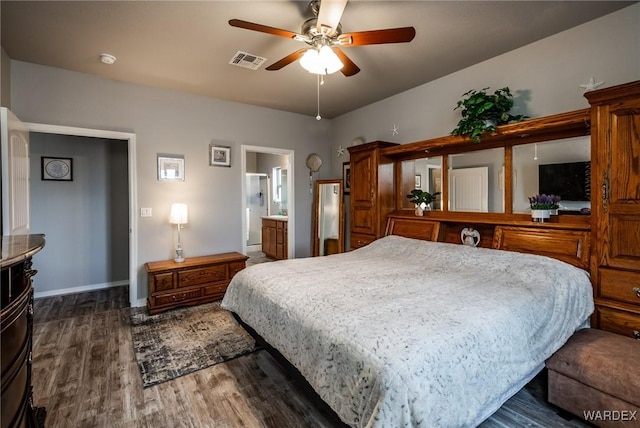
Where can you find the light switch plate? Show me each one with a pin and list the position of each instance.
(145, 212)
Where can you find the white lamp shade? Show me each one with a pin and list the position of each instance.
(321, 61)
(179, 214)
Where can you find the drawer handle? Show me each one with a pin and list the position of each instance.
(636, 334)
(637, 291)
(184, 296)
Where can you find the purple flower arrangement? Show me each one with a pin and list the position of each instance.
(544, 202)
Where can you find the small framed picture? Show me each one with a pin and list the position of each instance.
(57, 169)
(170, 168)
(346, 178)
(418, 181)
(219, 155)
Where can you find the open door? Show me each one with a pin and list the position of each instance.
(14, 156)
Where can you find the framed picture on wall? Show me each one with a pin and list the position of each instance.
(57, 169)
(219, 155)
(418, 183)
(346, 178)
(170, 168)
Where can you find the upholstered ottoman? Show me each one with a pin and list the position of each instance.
(596, 376)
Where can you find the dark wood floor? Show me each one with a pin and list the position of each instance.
(85, 373)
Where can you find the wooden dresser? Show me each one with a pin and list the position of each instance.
(194, 281)
(615, 204)
(275, 238)
(17, 409)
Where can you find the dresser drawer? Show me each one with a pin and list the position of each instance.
(169, 299)
(234, 268)
(202, 275)
(360, 240)
(161, 281)
(617, 321)
(620, 285)
(216, 290)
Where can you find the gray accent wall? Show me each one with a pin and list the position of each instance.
(172, 122)
(86, 220)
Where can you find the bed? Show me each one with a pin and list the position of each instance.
(411, 333)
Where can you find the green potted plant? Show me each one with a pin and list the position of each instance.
(482, 112)
(422, 199)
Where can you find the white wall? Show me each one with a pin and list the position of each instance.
(167, 121)
(544, 76)
(85, 221)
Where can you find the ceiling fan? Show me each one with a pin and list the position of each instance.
(323, 34)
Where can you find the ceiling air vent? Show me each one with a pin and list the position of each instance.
(247, 60)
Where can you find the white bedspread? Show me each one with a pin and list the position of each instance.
(408, 333)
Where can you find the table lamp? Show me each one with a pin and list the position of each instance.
(179, 216)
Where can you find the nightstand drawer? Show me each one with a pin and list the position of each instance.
(202, 275)
(620, 285)
(161, 281)
(168, 299)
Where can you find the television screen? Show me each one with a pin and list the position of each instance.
(571, 181)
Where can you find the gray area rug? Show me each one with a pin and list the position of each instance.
(181, 341)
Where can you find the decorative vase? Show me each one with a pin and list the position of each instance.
(540, 216)
(418, 211)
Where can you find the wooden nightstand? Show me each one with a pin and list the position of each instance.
(194, 281)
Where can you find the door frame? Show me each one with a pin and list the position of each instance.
(133, 198)
(244, 149)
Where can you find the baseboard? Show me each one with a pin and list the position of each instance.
(257, 247)
(80, 289)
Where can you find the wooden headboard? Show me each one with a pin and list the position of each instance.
(569, 244)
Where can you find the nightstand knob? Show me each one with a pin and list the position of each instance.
(636, 334)
(637, 291)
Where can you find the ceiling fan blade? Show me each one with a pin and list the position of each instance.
(329, 15)
(378, 37)
(349, 67)
(286, 60)
(262, 28)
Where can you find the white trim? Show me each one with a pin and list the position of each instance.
(133, 193)
(79, 289)
(290, 188)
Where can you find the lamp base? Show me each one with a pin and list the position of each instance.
(179, 258)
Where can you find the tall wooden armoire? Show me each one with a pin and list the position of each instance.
(615, 207)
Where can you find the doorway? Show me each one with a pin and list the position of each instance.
(287, 183)
(257, 187)
(131, 154)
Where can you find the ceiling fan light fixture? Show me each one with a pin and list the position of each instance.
(321, 61)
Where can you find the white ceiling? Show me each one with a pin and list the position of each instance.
(187, 45)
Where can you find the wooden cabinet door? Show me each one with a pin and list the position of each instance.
(363, 187)
(617, 185)
(269, 241)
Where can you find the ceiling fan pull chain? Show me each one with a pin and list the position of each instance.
(318, 117)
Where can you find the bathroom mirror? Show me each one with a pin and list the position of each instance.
(476, 181)
(424, 174)
(328, 218)
(568, 165)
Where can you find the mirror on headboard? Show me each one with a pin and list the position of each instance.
(561, 167)
(424, 174)
(476, 181)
